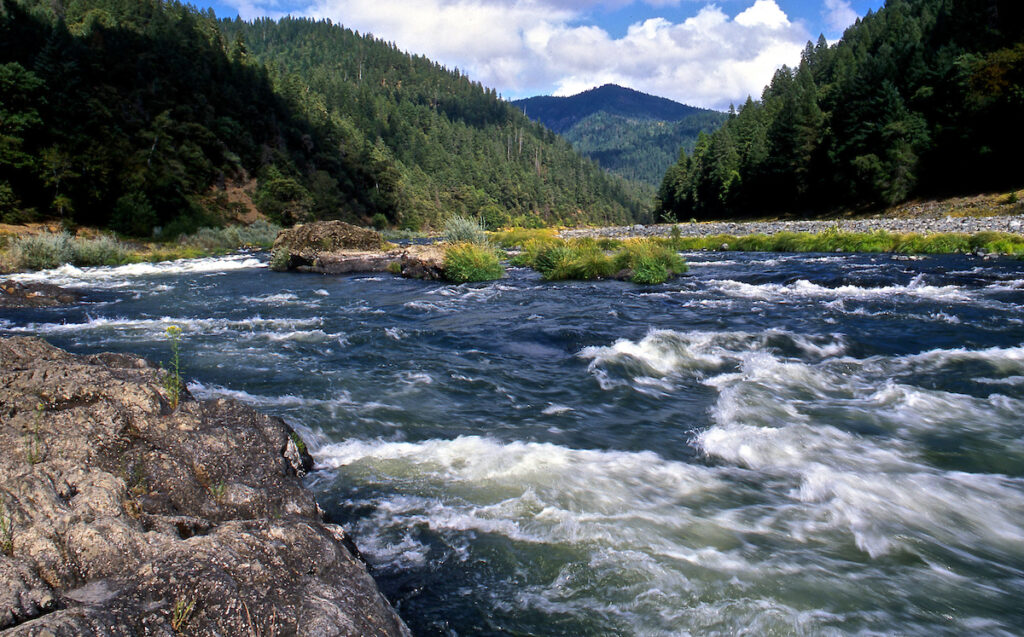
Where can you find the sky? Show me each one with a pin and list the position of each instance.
(698, 52)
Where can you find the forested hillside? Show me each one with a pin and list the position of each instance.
(639, 149)
(135, 114)
(922, 98)
(632, 134)
(560, 114)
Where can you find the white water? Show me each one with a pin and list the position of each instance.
(107, 277)
(791, 445)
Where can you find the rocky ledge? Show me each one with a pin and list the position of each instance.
(123, 513)
(335, 247)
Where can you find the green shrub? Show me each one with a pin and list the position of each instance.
(402, 235)
(580, 259)
(172, 381)
(493, 216)
(6, 530)
(42, 251)
(471, 262)
(649, 271)
(379, 221)
(102, 250)
(260, 234)
(460, 229)
(587, 265)
(531, 221)
(550, 257)
(133, 215)
(280, 260)
(650, 261)
(518, 237)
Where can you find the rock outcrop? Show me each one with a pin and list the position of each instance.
(334, 247)
(303, 245)
(14, 294)
(120, 515)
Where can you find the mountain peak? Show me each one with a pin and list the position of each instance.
(562, 113)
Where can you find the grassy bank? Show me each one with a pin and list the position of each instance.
(644, 261)
(465, 262)
(47, 250)
(839, 241)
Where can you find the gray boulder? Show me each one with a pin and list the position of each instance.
(122, 516)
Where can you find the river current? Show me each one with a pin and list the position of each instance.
(770, 444)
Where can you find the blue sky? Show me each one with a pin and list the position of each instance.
(698, 52)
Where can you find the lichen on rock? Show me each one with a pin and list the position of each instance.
(134, 518)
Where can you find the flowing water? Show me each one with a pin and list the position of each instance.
(810, 444)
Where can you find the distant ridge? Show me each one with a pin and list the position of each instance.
(562, 113)
(629, 133)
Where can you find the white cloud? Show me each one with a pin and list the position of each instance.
(707, 60)
(839, 15)
(525, 47)
(763, 13)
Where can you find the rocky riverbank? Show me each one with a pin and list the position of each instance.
(126, 512)
(923, 225)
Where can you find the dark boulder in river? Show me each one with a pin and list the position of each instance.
(122, 514)
(14, 294)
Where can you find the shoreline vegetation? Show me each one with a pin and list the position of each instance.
(832, 239)
(37, 247)
(640, 253)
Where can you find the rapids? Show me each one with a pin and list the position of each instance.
(771, 444)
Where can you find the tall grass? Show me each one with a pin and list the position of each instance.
(102, 250)
(45, 251)
(402, 234)
(460, 229)
(649, 261)
(260, 234)
(466, 261)
(518, 237)
(42, 251)
(643, 261)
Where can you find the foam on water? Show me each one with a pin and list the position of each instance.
(273, 328)
(531, 492)
(203, 391)
(797, 419)
(282, 298)
(807, 290)
(109, 277)
(668, 352)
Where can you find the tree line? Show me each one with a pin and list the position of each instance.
(135, 115)
(922, 98)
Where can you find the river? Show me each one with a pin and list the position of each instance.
(770, 444)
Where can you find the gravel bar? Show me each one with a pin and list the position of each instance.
(931, 225)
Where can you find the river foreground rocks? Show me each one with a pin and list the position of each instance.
(122, 513)
(19, 295)
(336, 247)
